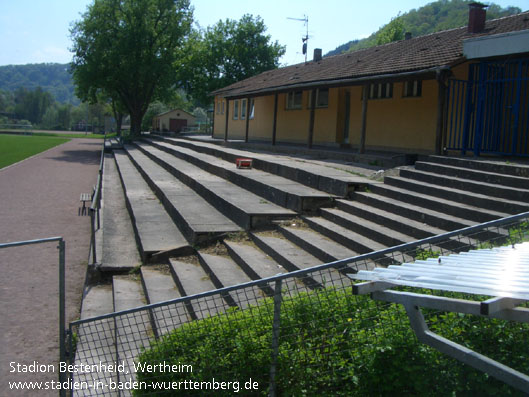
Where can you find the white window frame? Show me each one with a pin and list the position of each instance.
(236, 109)
(412, 89)
(380, 91)
(319, 102)
(252, 109)
(291, 100)
(243, 109)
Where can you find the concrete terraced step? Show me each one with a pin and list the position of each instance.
(323, 248)
(191, 279)
(409, 227)
(279, 190)
(293, 258)
(155, 231)
(502, 167)
(120, 252)
(384, 235)
(497, 178)
(483, 188)
(256, 264)
(346, 237)
(253, 261)
(96, 340)
(159, 286)
(197, 219)
(459, 209)
(353, 240)
(133, 330)
(414, 212)
(224, 272)
(332, 180)
(458, 195)
(246, 209)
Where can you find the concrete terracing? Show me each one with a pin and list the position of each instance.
(206, 224)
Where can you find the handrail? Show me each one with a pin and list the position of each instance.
(95, 205)
(303, 272)
(30, 242)
(95, 199)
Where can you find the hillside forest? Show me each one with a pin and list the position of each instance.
(433, 17)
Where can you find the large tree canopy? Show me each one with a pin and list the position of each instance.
(128, 50)
(228, 52)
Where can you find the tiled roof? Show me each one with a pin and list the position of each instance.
(418, 54)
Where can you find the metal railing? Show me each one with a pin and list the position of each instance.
(298, 333)
(62, 295)
(95, 206)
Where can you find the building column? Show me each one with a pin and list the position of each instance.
(311, 119)
(227, 119)
(247, 119)
(274, 128)
(362, 147)
(441, 109)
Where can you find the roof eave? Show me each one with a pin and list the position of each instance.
(423, 73)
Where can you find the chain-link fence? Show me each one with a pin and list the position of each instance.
(299, 334)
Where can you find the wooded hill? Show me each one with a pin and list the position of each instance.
(51, 77)
(433, 17)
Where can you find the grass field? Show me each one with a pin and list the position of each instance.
(14, 148)
(62, 134)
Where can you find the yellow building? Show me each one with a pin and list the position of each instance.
(406, 96)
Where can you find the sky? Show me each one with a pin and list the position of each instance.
(37, 31)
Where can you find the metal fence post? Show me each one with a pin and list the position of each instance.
(70, 355)
(93, 236)
(100, 182)
(62, 310)
(275, 336)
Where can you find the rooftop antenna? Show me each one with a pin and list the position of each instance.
(305, 39)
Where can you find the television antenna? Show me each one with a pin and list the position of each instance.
(305, 39)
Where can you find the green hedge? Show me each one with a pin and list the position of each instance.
(334, 343)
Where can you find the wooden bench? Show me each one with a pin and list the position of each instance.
(84, 198)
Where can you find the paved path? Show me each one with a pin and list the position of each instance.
(39, 198)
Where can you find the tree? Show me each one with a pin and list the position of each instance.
(32, 105)
(228, 52)
(128, 50)
(118, 110)
(393, 31)
(154, 109)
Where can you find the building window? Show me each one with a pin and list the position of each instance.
(294, 99)
(412, 89)
(236, 109)
(243, 109)
(381, 90)
(322, 98)
(222, 112)
(217, 107)
(252, 109)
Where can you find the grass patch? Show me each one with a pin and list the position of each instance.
(82, 135)
(335, 343)
(14, 148)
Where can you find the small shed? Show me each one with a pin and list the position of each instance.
(173, 121)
